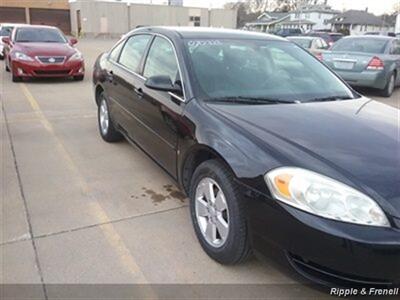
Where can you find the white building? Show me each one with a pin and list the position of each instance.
(307, 18)
(359, 22)
(318, 14)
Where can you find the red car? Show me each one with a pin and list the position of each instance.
(42, 51)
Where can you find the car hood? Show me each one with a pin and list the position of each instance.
(45, 49)
(359, 139)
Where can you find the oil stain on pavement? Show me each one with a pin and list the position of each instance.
(170, 193)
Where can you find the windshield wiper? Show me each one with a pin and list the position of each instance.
(330, 98)
(250, 100)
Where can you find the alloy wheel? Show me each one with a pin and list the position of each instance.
(212, 212)
(104, 117)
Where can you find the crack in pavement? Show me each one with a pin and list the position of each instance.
(133, 217)
(22, 193)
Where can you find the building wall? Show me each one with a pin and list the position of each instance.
(316, 17)
(56, 4)
(114, 19)
(222, 17)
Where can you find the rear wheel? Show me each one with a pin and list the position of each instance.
(390, 85)
(106, 126)
(218, 214)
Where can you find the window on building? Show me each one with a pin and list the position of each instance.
(161, 60)
(196, 21)
(133, 51)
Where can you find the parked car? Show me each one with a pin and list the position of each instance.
(42, 51)
(5, 31)
(367, 61)
(329, 37)
(284, 32)
(392, 34)
(315, 45)
(271, 147)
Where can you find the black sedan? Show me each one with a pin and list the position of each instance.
(272, 148)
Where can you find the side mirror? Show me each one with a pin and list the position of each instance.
(162, 83)
(6, 40)
(73, 41)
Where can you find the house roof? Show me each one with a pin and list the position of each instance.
(321, 8)
(268, 18)
(359, 17)
(300, 21)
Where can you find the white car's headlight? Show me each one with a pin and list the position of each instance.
(77, 56)
(323, 196)
(23, 56)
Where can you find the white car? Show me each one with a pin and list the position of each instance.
(5, 30)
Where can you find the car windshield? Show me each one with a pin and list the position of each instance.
(5, 30)
(305, 43)
(366, 45)
(261, 69)
(39, 35)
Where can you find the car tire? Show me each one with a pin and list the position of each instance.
(106, 127)
(16, 78)
(233, 246)
(390, 85)
(79, 77)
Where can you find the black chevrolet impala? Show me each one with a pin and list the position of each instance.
(273, 149)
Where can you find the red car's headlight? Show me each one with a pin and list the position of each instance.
(22, 56)
(77, 56)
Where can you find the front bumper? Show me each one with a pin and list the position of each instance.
(28, 69)
(327, 251)
(367, 78)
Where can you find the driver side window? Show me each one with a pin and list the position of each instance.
(161, 60)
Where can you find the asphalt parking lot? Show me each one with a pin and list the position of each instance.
(78, 210)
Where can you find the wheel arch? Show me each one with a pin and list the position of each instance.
(196, 155)
(97, 92)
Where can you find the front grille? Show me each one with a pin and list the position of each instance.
(51, 59)
(52, 72)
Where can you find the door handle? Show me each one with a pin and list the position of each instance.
(139, 92)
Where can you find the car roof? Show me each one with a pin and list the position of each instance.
(206, 32)
(300, 37)
(11, 24)
(372, 37)
(35, 26)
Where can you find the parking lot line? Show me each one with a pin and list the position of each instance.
(111, 235)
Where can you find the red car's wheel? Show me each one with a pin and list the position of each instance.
(7, 68)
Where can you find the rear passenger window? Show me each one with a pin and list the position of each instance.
(161, 60)
(396, 48)
(133, 51)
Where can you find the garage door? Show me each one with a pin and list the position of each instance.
(12, 15)
(53, 17)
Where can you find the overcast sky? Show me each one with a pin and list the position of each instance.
(375, 6)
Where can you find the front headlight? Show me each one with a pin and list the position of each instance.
(23, 56)
(77, 56)
(323, 196)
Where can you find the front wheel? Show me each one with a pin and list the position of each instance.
(78, 77)
(106, 126)
(218, 215)
(390, 85)
(16, 78)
